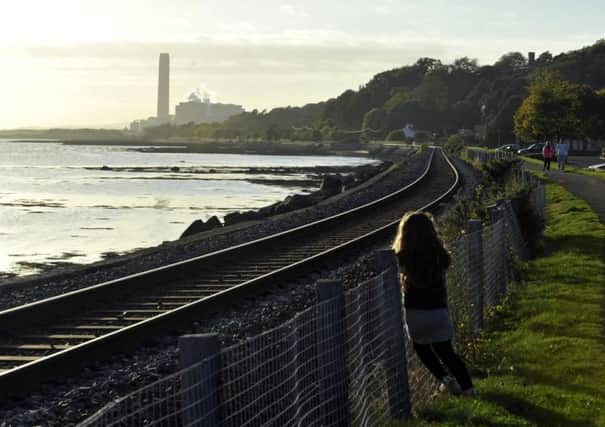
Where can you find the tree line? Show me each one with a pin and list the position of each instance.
(438, 98)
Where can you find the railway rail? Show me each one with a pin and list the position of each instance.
(53, 338)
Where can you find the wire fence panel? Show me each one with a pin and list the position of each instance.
(331, 365)
(458, 292)
(493, 262)
(343, 362)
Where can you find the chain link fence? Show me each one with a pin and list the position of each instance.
(344, 361)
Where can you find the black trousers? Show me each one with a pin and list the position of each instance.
(433, 355)
(546, 164)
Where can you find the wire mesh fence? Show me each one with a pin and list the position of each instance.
(344, 361)
(340, 362)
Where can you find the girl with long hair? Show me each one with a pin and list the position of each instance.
(423, 261)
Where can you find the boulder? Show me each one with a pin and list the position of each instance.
(236, 217)
(297, 201)
(268, 210)
(331, 185)
(213, 222)
(199, 226)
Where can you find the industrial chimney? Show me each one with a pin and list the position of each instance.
(164, 89)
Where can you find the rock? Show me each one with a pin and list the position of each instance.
(199, 226)
(297, 201)
(236, 217)
(331, 185)
(213, 222)
(105, 168)
(175, 169)
(268, 210)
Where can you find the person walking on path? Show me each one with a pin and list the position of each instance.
(562, 149)
(547, 153)
(423, 261)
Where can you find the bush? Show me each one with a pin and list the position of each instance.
(454, 144)
(423, 136)
(396, 135)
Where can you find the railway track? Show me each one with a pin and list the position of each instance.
(54, 337)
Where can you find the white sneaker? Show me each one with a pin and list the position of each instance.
(449, 384)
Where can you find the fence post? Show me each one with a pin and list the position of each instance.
(476, 272)
(396, 362)
(517, 236)
(332, 356)
(501, 273)
(200, 386)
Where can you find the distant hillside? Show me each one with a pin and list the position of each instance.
(434, 96)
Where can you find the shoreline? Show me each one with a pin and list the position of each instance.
(292, 148)
(61, 263)
(24, 289)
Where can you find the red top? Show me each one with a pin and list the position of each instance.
(547, 152)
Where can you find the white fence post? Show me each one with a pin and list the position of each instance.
(200, 385)
(396, 361)
(331, 353)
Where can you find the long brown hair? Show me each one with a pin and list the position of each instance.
(420, 252)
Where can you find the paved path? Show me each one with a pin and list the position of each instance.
(583, 161)
(585, 187)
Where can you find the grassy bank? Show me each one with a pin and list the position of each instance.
(568, 168)
(541, 361)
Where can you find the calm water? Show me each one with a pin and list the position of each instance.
(58, 203)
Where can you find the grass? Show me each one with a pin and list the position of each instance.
(541, 361)
(568, 168)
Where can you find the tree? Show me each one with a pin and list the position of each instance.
(454, 144)
(511, 61)
(544, 58)
(590, 112)
(428, 65)
(466, 65)
(273, 133)
(549, 110)
(374, 120)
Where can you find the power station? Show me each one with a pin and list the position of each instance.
(194, 109)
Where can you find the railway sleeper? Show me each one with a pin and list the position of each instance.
(149, 312)
(25, 347)
(64, 338)
(163, 298)
(201, 291)
(166, 305)
(126, 319)
(90, 327)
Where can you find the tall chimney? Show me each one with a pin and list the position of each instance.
(164, 88)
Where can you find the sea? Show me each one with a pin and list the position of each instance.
(80, 203)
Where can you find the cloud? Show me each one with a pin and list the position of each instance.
(289, 10)
(309, 51)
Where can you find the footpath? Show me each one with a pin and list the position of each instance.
(588, 188)
(541, 360)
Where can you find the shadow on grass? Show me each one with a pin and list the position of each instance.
(529, 411)
(463, 420)
(574, 243)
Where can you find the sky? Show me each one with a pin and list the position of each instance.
(94, 62)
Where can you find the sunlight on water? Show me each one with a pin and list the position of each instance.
(61, 203)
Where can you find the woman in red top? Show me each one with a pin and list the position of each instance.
(547, 154)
